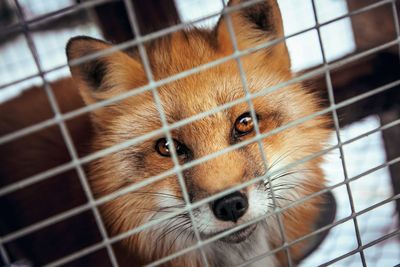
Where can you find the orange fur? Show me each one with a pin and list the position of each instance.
(120, 72)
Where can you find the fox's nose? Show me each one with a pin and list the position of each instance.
(230, 207)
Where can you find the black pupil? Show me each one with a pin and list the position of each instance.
(246, 121)
(243, 124)
(165, 145)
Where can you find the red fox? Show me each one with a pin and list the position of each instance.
(118, 72)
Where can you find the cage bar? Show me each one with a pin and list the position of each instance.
(65, 134)
(331, 97)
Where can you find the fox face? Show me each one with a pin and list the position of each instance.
(122, 72)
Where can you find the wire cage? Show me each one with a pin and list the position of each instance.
(347, 52)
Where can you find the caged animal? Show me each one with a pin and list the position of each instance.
(118, 72)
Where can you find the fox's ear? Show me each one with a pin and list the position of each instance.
(105, 76)
(253, 25)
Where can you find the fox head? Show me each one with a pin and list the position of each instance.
(122, 72)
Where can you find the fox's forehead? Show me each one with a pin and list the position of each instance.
(182, 51)
(221, 87)
(202, 91)
(209, 87)
(181, 100)
(200, 95)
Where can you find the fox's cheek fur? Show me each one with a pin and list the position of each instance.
(119, 72)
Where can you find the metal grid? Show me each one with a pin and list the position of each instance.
(369, 190)
(337, 129)
(76, 163)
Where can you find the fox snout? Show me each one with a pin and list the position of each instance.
(220, 174)
(230, 207)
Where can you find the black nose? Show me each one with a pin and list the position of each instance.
(230, 207)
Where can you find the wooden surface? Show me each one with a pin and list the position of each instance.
(152, 15)
(373, 27)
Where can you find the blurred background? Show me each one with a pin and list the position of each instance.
(372, 30)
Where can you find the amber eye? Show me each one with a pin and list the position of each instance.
(243, 125)
(162, 147)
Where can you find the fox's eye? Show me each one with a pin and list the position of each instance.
(243, 125)
(162, 147)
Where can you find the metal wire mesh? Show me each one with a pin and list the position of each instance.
(77, 162)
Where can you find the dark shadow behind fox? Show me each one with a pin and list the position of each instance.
(34, 154)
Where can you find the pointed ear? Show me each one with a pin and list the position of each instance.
(254, 25)
(105, 76)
